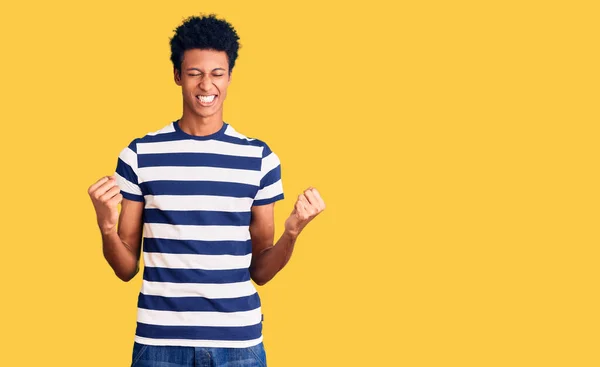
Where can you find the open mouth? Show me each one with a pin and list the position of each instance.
(208, 100)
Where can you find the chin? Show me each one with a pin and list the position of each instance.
(204, 113)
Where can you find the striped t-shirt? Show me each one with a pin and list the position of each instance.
(198, 192)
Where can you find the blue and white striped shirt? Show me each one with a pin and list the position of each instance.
(198, 192)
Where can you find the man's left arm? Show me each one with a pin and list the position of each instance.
(269, 259)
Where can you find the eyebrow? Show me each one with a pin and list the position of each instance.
(202, 71)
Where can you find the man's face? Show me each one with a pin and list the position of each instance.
(204, 80)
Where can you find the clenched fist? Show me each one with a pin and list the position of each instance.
(308, 206)
(106, 195)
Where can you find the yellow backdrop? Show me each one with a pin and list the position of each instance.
(455, 144)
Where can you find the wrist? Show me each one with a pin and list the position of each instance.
(108, 231)
(291, 234)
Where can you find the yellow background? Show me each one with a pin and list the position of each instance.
(455, 144)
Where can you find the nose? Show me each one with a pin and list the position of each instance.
(205, 82)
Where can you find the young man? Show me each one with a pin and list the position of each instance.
(204, 196)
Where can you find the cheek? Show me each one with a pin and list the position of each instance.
(189, 91)
(223, 88)
(189, 85)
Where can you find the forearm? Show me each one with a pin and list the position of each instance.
(118, 255)
(272, 259)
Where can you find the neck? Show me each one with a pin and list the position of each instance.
(199, 125)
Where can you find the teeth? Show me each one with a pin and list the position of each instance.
(206, 99)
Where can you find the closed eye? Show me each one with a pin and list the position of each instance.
(201, 74)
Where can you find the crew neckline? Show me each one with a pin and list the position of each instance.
(197, 137)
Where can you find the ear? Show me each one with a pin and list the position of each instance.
(177, 76)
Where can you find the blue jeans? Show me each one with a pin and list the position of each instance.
(174, 356)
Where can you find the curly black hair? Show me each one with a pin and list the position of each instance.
(204, 32)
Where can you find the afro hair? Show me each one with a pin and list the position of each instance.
(204, 32)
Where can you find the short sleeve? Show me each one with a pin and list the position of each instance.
(126, 173)
(271, 188)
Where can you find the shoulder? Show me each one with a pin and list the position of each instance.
(165, 133)
(231, 135)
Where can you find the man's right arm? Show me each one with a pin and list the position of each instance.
(121, 244)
